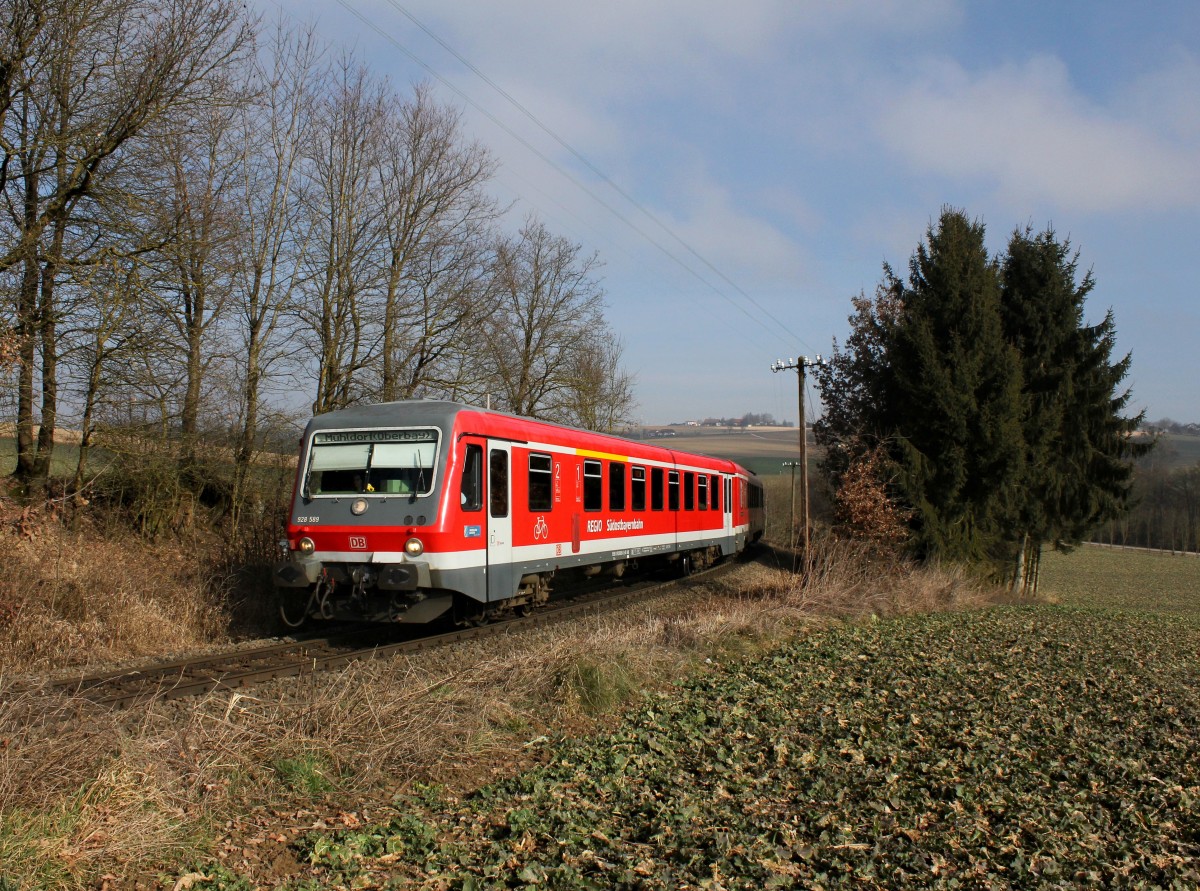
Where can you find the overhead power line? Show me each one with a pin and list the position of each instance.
(512, 100)
(780, 326)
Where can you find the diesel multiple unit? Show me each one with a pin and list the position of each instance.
(406, 511)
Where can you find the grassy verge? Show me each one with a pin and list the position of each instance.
(85, 596)
(1141, 581)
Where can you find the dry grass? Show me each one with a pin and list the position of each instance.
(82, 798)
(73, 598)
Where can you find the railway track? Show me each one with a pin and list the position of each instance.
(242, 668)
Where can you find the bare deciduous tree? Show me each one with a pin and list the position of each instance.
(549, 311)
(194, 262)
(435, 219)
(270, 250)
(92, 78)
(343, 221)
(600, 392)
(106, 331)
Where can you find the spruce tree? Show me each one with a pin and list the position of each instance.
(956, 396)
(1078, 447)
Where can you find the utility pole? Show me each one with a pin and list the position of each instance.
(792, 514)
(800, 365)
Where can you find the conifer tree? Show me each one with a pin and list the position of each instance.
(1078, 449)
(927, 372)
(956, 396)
(999, 407)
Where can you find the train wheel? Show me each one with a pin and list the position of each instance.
(471, 615)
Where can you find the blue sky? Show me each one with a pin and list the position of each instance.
(793, 147)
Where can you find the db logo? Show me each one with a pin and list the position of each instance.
(358, 542)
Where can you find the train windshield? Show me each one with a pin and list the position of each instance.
(378, 462)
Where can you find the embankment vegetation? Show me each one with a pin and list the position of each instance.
(179, 785)
(873, 723)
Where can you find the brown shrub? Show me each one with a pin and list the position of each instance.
(81, 597)
(863, 509)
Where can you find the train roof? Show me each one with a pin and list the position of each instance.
(441, 413)
(390, 414)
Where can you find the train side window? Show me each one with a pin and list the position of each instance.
(673, 490)
(689, 491)
(714, 490)
(472, 479)
(702, 497)
(729, 495)
(541, 482)
(498, 483)
(616, 486)
(656, 488)
(637, 485)
(593, 483)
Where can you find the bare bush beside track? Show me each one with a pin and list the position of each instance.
(83, 597)
(349, 741)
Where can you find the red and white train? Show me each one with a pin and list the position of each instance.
(405, 511)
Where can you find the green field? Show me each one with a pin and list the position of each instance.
(66, 457)
(1180, 450)
(1141, 581)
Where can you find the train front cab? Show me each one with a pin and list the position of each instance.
(367, 528)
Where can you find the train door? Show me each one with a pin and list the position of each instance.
(727, 507)
(500, 524)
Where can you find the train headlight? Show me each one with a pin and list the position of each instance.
(359, 506)
(414, 547)
(306, 546)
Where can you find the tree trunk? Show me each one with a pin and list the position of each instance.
(27, 325)
(89, 408)
(48, 316)
(1018, 579)
(49, 332)
(249, 433)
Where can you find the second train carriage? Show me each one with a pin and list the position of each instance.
(405, 511)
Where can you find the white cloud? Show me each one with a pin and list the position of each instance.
(732, 237)
(1168, 97)
(1039, 140)
(630, 47)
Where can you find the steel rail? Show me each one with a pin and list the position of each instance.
(233, 670)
